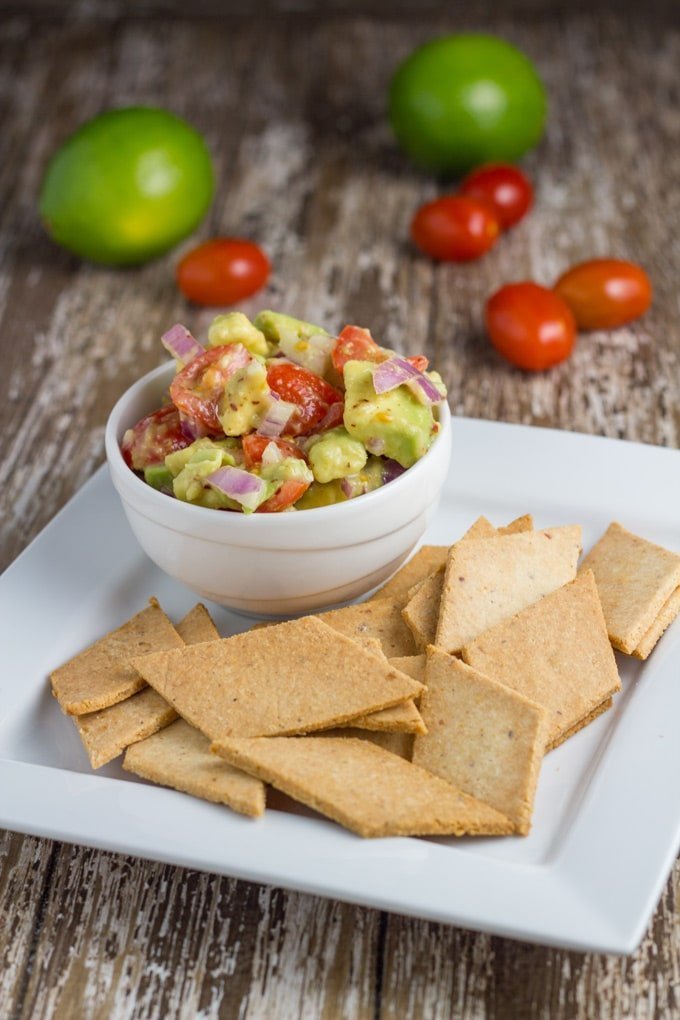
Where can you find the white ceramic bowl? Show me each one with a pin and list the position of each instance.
(275, 564)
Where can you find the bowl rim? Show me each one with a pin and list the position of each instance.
(189, 513)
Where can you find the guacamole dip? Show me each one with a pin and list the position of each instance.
(278, 414)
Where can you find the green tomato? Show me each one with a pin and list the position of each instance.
(463, 100)
(127, 186)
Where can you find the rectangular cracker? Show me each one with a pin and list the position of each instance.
(635, 579)
(363, 787)
(668, 613)
(179, 756)
(291, 678)
(106, 733)
(487, 582)
(379, 619)
(482, 737)
(555, 653)
(421, 612)
(427, 559)
(102, 675)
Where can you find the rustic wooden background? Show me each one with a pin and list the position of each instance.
(292, 104)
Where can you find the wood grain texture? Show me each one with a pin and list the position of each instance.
(292, 106)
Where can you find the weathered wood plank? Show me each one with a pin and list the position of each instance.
(293, 109)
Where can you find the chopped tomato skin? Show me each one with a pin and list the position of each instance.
(153, 438)
(311, 394)
(196, 391)
(284, 497)
(357, 344)
(254, 446)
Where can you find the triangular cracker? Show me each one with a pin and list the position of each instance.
(489, 581)
(404, 718)
(380, 619)
(483, 738)
(102, 675)
(291, 678)
(179, 756)
(520, 524)
(106, 733)
(427, 559)
(361, 786)
(670, 610)
(555, 653)
(635, 579)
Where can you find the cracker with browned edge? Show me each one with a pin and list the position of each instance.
(291, 678)
(487, 582)
(421, 612)
(102, 675)
(603, 707)
(555, 653)
(635, 579)
(670, 610)
(482, 737)
(179, 756)
(363, 787)
(380, 619)
(106, 733)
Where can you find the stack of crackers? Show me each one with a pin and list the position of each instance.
(425, 710)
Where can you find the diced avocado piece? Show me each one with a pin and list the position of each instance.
(369, 478)
(158, 477)
(288, 469)
(178, 460)
(189, 483)
(321, 494)
(273, 324)
(246, 398)
(336, 454)
(393, 424)
(236, 328)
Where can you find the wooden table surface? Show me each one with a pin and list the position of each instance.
(292, 106)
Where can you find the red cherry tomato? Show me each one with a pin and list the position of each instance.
(454, 229)
(222, 271)
(530, 326)
(605, 293)
(289, 493)
(503, 187)
(153, 438)
(312, 395)
(196, 391)
(357, 344)
(254, 446)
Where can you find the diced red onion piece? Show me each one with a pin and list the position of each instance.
(191, 428)
(181, 344)
(397, 372)
(239, 485)
(277, 417)
(375, 445)
(272, 455)
(391, 470)
(332, 418)
(313, 353)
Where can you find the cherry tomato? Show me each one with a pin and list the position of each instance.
(605, 293)
(153, 438)
(357, 344)
(196, 391)
(222, 271)
(503, 187)
(289, 493)
(454, 228)
(312, 395)
(530, 326)
(254, 446)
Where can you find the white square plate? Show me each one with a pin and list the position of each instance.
(607, 817)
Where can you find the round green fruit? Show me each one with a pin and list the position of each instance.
(463, 100)
(127, 186)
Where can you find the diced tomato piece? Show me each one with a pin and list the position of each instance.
(288, 494)
(254, 446)
(153, 438)
(197, 390)
(355, 344)
(418, 361)
(311, 394)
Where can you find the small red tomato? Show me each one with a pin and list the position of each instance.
(530, 326)
(454, 229)
(605, 293)
(502, 186)
(153, 438)
(222, 271)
